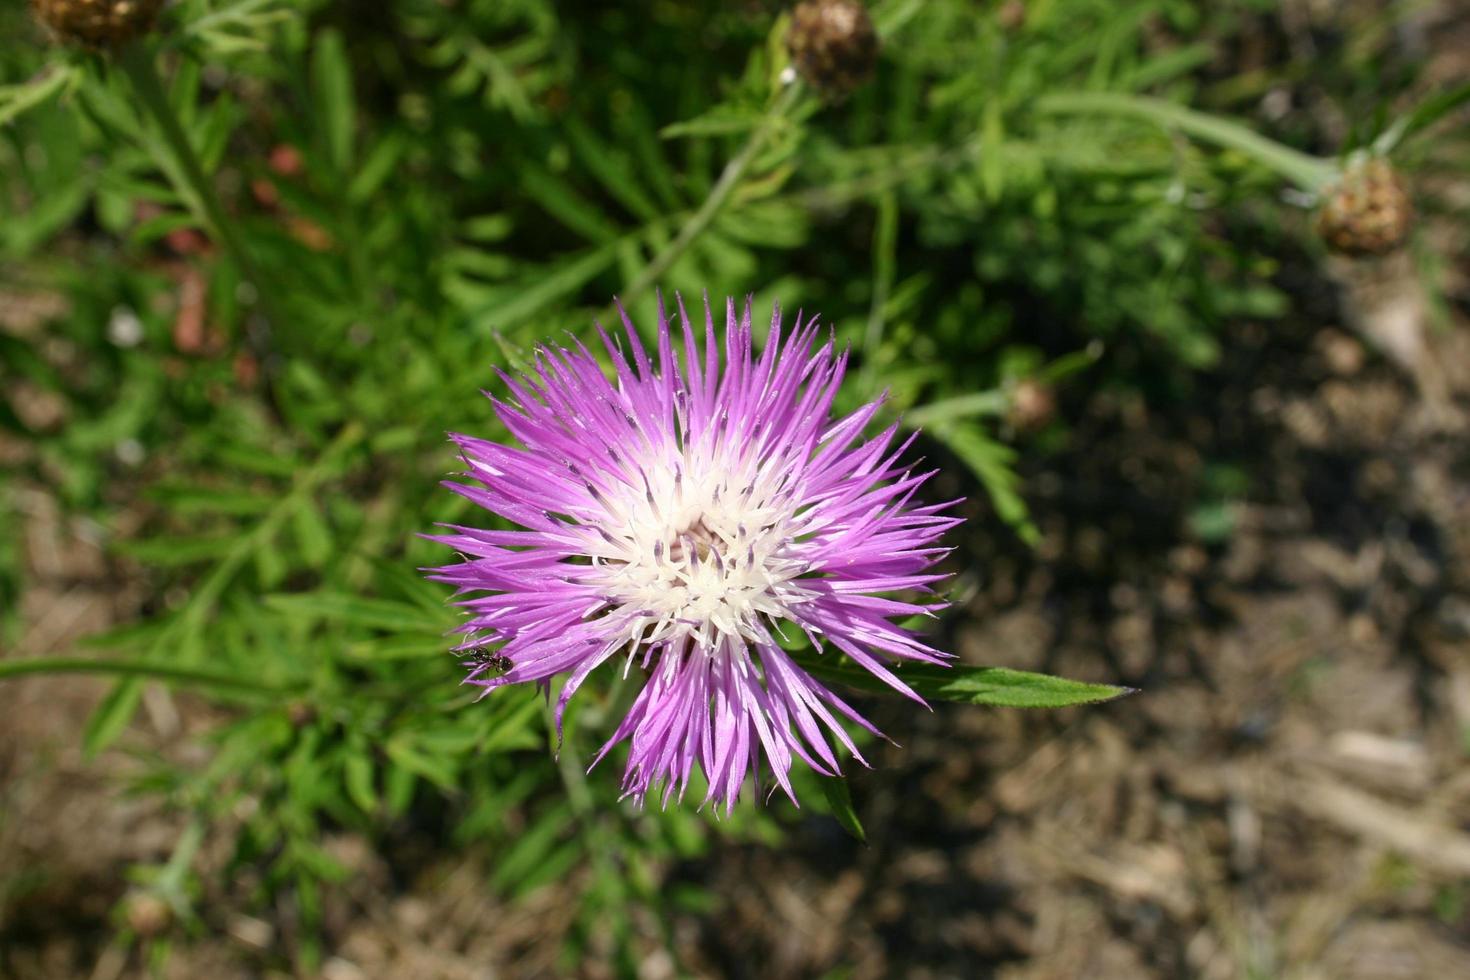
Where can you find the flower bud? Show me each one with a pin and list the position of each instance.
(1033, 405)
(97, 23)
(148, 915)
(833, 45)
(1367, 212)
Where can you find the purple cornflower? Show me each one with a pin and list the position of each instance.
(674, 516)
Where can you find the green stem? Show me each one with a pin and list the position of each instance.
(718, 196)
(185, 676)
(194, 185)
(1311, 174)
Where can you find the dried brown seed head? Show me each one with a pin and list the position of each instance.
(148, 915)
(1367, 212)
(1033, 405)
(102, 24)
(833, 45)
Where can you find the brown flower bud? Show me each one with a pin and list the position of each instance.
(97, 23)
(833, 45)
(148, 915)
(1033, 405)
(1367, 212)
(1011, 16)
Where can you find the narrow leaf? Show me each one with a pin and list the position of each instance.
(331, 82)
(112, 716)
(999, 686)
(839, 798)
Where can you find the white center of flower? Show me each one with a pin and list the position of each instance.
(701, 551)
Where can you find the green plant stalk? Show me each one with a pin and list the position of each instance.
(137, 63)
(186, 676)
(1311, 174)
(719, 195)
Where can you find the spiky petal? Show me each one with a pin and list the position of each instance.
(678, 516)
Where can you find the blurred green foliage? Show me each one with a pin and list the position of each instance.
(422, 190)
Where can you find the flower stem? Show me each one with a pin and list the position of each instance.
(718, 196)
(184, 676)
(1311, 174)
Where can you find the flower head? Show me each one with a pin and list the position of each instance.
(1367, 212)
(833, 45)
(681, 515)
(98, 23)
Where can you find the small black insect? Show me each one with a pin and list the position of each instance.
(497, 662)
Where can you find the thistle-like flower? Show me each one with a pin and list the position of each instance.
(679, 516)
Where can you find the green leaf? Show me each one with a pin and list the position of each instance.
(112, 716)
(312, 534)
(382, 614)
(377, 168)
(526, 853)
(16, 99)
(1426, 114)
(999, 686)
(527, 298)
(179, 549)
(993, 463)
(719, 121)
(331, 82)
(839, 798)
(437, 771)
(563, 202)
(357, 773)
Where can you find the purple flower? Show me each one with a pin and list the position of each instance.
(680, 516)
